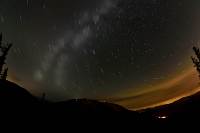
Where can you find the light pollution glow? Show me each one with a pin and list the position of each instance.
(165, 93)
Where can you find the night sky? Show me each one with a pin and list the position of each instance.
(132, 52)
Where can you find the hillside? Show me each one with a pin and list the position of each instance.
(15, 97)
(185, 108)
(12, 94)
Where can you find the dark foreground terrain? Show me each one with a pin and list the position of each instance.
(17, 102)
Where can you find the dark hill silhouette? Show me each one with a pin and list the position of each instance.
(15, 101)
(86, 105)
(185, 108)
(10, 93)
(17, 98)
(13, 95)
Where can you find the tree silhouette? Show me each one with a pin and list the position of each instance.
(43, 99)
(4, 49)
(5, 74)
(0, 39)
(196, 60)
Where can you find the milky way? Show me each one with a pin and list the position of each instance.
(123, 51)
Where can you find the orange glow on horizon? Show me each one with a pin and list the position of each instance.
(164, 93)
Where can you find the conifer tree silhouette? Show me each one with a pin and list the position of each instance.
(4, 49)
(0, 39)
(196, 60)
(43, 99)
(5, 74)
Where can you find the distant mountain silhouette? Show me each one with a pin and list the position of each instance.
(86, 105)
(185, 108)
(11, 94)
(14, 97)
